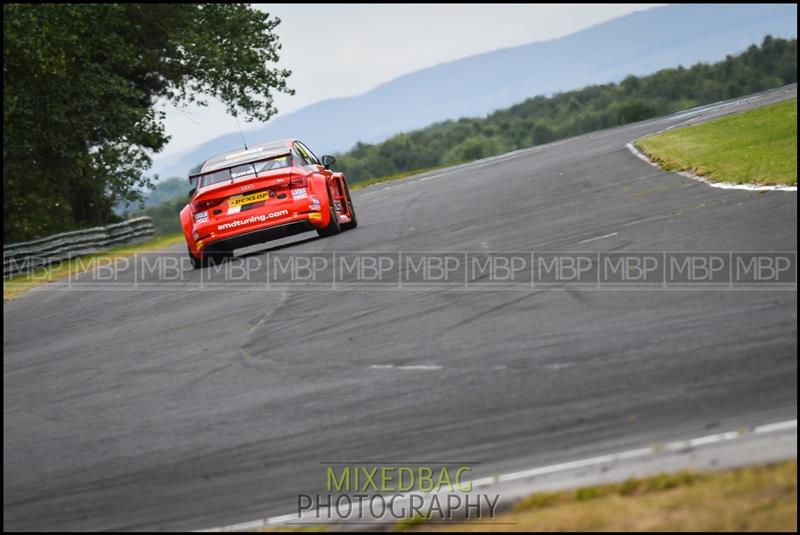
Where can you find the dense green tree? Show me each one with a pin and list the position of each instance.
(165, 215)
(80, 87)
(630, 112)
(474, 148)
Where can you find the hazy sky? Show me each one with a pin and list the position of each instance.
(344, 50)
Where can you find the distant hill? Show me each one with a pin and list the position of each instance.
(639, 43)
(166, 190)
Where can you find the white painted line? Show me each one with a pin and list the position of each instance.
(571, 465)
(701, 441)
(406, 367)
(778, 426)
(639, 154)
(599, 237)
(729, 185)
(709, 182)
(638, 453)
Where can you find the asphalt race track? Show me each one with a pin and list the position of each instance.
(171, 409)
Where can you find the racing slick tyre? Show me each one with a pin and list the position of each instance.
(198, 263)
(353, 221)
(334, 227)
(218, 257)
(207, 259)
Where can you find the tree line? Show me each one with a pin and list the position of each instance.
(543, 119)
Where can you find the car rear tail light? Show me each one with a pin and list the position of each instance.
(199, 206)
(300, 182)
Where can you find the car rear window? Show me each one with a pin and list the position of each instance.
(243, 171)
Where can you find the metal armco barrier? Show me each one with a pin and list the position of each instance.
(25, 256)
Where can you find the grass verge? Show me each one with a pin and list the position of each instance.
(753, 498)
(18, 284)
(754, 147)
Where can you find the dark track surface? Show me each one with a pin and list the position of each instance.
(190, 410)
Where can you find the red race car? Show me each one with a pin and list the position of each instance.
(262, 193)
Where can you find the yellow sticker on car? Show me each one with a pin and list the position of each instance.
(241, 200)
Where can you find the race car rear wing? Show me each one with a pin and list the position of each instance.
(238, 168)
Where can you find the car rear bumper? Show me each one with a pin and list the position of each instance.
(246, 239)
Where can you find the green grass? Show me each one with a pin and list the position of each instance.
(22, 282)
(753, 498)
(753, 147)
